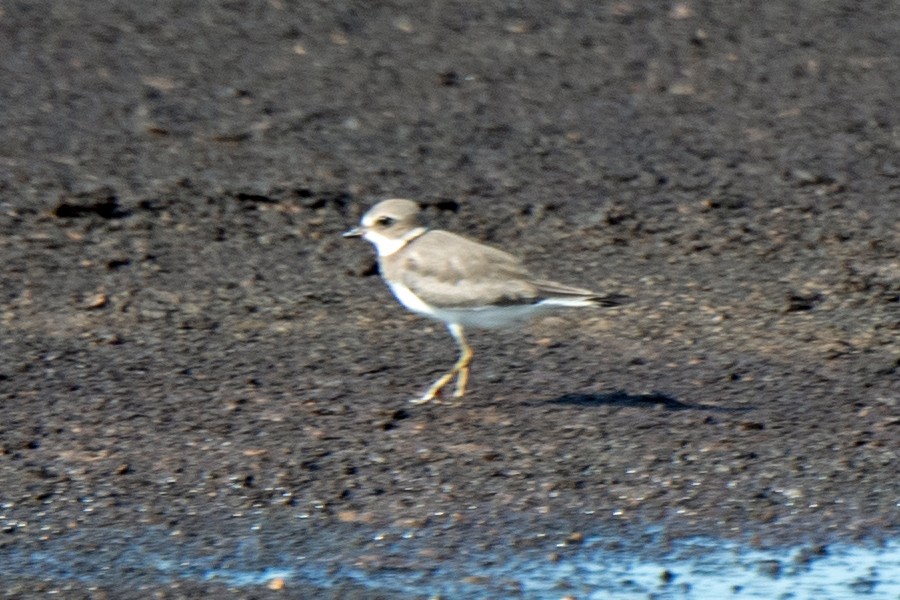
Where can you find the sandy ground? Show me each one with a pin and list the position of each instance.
(186, 337)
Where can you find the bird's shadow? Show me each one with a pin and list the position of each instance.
(654, 400)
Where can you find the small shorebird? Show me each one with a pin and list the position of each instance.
(461, 282)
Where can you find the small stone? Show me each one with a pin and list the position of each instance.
(98, 300)
(770, 568)
(681, 10)
(276, 583)
(576, 537)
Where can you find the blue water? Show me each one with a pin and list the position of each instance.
(411, 563)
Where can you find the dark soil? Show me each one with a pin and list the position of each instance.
(186, 339)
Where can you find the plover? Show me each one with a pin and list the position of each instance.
(461, 282)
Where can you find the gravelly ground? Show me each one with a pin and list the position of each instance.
(186, 336)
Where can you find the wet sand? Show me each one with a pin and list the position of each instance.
(187, 343)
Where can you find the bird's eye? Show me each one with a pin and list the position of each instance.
(384, 221)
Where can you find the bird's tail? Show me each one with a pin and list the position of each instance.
(564, 295)
(610, 300)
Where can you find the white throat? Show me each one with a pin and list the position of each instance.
(385, 246)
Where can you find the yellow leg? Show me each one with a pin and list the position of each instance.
(462, 365)
(460, 370)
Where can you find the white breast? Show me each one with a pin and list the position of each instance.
(411, 301)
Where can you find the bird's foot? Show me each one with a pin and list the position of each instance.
(435, 390)
(460, 370)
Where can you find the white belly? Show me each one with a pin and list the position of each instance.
(487, 316)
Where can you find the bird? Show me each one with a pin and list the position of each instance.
(462, 282)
